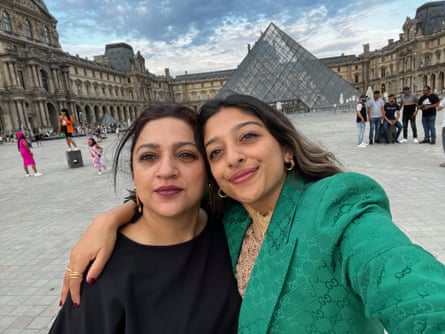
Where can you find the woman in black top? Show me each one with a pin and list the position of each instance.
(170, 271)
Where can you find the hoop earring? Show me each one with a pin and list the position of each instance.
(221, 193)
(290, 165)
(139, 205)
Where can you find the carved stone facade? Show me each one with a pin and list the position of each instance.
(38, 79)
(415, 60)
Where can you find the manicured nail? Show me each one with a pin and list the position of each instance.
(76, 305)
(91, 280)
(60, 302)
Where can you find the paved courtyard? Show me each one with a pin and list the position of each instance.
(41, 217)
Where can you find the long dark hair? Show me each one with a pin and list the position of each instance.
(312, 162)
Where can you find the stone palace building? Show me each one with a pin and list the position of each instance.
(38, 78)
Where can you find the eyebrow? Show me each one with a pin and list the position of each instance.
(235, 128)
(157, 146)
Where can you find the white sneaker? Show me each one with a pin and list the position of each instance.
(38, 174)
(415, 140)
(99, 173)
(403, 140)
(76, 149)
(362, 145)
(27, 175)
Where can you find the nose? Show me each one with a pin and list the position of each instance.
(167, 168)
(234, 157)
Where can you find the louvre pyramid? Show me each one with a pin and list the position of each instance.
(280, 71)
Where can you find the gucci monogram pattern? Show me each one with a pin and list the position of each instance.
(333, 261)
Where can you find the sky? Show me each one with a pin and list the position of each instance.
(197, 36)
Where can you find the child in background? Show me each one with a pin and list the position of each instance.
(25, 151)
(96, 152)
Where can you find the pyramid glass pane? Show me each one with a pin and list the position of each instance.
(278, 69)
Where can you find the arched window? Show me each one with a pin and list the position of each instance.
(46, 34)
(28, 28)
(6, 21)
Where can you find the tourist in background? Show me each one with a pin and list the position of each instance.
(376, 113)
(66, 127)
(391, 119)
(24, 148)
(441, 107)
(96, 153)
(408, 101)
(361, 119)
(428, 103)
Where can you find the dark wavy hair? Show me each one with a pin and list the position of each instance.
(312, 162)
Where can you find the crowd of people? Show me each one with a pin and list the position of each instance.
(387, 119)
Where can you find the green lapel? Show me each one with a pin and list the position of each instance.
(270, 269)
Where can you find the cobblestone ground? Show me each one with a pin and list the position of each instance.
(41, 217)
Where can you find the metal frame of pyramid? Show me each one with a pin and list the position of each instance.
(280, 71)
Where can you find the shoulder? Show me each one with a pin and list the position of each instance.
(347, 190)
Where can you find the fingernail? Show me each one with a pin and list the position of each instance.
(91, 280)
(60, 302)
(76, 305)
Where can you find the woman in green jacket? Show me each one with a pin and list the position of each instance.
(314, 250)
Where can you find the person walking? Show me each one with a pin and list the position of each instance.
(361, 119)
(408, 103)
(66, 127)
(96, 152)
(376, 113)
(25, 151)
(428, 103)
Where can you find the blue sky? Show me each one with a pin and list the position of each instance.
(209, 35)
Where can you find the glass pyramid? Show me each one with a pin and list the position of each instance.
(280, 71)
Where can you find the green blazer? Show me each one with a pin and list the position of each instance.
(333, 261)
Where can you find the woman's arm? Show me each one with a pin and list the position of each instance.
(96, 246)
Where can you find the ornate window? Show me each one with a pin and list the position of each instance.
(6, 21)
(46, 34)
(28, 28)
(45, 81)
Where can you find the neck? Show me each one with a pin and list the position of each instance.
(166, 231)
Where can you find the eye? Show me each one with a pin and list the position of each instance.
(249, 136)
(187, 156)
(214, 153)
(147, 157)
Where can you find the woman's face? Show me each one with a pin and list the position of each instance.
(246, 161)
(168, 170)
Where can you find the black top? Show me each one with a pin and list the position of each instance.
(184, 288)
(431, 99)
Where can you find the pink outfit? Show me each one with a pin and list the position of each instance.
(96, 155)
(28, 159)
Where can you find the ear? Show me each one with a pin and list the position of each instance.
(288, 155)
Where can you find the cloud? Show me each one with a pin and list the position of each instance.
(198, 35)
